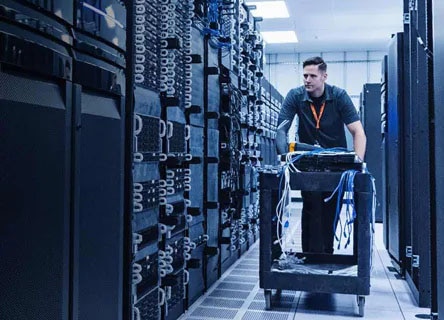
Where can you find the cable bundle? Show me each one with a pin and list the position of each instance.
(346, 184)
(284, 197)
(281, 209)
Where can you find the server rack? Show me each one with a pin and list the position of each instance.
(383, 190)
(437, 164)
(99, 144)
(35, 155)
(145, 151)
(371, 119)
(195, 118)
(394, 145)
(118, 75)
(239, 129)
(175, 91)
(409, 96)
(128, 167)
(418, 265)
(35, 188)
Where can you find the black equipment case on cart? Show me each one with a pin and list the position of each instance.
(270, 278)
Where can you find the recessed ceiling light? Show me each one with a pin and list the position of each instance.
(269, 9)
(279, 36)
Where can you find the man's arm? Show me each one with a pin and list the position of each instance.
(359, 138)
(285, 118)
(281, 136)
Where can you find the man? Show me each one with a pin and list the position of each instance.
(322, 110)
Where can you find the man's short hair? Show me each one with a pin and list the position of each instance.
(316, 61)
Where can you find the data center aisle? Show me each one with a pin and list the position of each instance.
(237, 296)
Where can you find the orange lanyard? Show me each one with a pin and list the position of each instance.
(315, 115)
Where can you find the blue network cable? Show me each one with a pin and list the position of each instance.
(213, 17)
(346, 184)
(213, 11)
(280, 207)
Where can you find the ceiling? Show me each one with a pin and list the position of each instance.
(337, 25)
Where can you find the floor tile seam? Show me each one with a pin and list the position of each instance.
(246, 275)
(288, 314)
(297, 305)
(242, 275)
(243, 282)
(236, 290)
(393, 290)
(213, 307)
(226, 298)
(400, 306)
(248, 300)
(240, 281)
(241, 311)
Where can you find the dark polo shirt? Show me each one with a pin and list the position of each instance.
(339, 110)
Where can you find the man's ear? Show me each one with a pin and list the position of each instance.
(325, 75)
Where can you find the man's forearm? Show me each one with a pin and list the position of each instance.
(359, 144)
(281, 137)
(281, 142)
(359, 139)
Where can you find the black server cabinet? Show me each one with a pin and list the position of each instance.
(371, 116)
(104, 19)
(99, 164)
(383, 190)
(99, 217)
(394, 147)
(418, 266)
(407, 120)
(35, 151)
(35, 161)
(61, 9)
(438, 160)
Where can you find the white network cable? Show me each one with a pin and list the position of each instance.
(289, 161)
(282, 212)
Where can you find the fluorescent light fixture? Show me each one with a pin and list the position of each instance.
(279, 36)
(269, 9)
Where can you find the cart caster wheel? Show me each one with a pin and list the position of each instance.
(361, 305)
(267, 294)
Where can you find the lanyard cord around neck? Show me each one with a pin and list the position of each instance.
(315, 114)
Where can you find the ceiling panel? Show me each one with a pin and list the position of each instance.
(337, 25)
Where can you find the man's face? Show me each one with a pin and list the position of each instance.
(314, 80)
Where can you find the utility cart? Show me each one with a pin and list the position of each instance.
(356, 282)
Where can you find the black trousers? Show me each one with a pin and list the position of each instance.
(317, 221)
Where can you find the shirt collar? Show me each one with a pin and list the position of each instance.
(328, 94)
